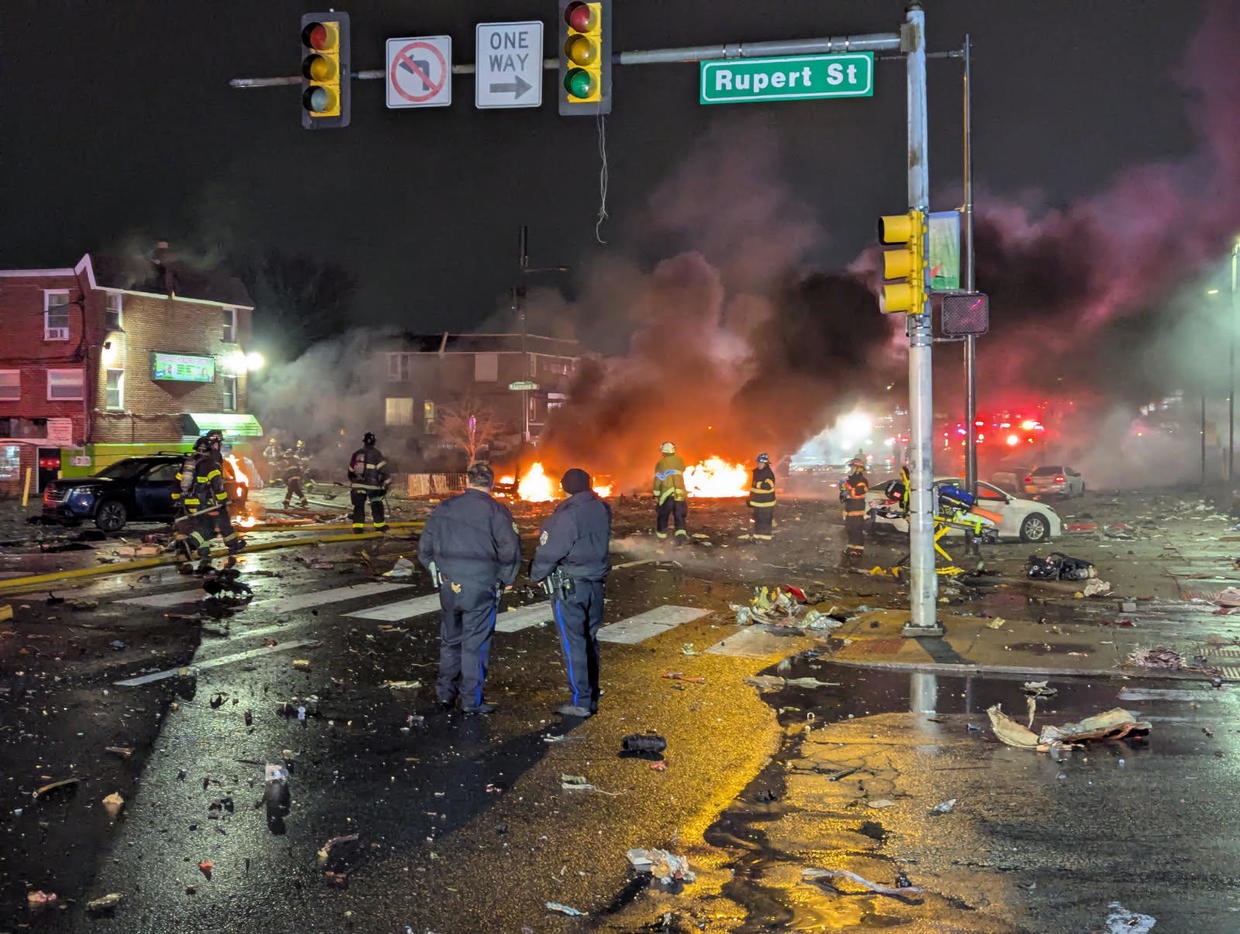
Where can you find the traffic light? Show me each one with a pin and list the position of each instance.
(325, 70)
(585, 57)
(904, 269)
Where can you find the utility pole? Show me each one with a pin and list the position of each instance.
(923, 579)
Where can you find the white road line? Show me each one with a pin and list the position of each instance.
(390, 612)
(633, 564)
(523, 618)
(638, 628)
(216, 662)
(1168, 694)
(320, 597)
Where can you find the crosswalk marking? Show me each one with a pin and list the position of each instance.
(172, 598)
(285, 604)
(638, 628)
(215, 662)
(1148, 694)
(404, 609)
(523, 618)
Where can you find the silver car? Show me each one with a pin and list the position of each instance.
(1054, 480)
(1020, 519)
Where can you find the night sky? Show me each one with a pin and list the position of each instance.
(119, 128)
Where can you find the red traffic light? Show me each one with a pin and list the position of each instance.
(317, 36)
(579, 16)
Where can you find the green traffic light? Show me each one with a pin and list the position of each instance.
(578, 83)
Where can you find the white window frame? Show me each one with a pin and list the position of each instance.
(120, 389)
(230, 326)
(55, 333)
(8, 398)
(81, 386)
(397, 411)
(113, 307)
(400, 367)
(231, 387)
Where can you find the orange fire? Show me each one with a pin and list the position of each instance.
(536, 486)
(246, 522)
(238, 474)
(603, 490)
(508, 479)
(716, 478)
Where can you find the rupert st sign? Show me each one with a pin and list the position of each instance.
(787, 78)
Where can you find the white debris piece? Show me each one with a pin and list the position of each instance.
(663, 865)
(1123, 921)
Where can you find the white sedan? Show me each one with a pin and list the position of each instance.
(1022, 519)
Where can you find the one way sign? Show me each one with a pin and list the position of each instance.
(508, 65)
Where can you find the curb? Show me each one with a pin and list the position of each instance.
(958, 669)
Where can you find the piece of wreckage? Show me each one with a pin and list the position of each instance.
(1115, 723)
(785, 606)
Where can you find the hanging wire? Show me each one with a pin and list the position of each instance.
(601, 125)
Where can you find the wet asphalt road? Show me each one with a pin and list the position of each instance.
(463, 824)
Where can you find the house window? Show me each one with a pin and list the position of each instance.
(112, 311)
(486, 367)
(10, 385)
(114, 391)
(398, 411)
(230, 393)
(64, 385)
(56, 316)
(400, 367)
(428, 416)
(230, 326)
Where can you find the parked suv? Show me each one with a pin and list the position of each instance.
(136, 489)
(1055, 480)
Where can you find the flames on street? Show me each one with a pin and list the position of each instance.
(713, 477)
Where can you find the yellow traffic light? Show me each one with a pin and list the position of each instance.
(325, 70)
(585, 57)
(904, 269)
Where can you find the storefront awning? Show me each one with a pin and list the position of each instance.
(233, 424)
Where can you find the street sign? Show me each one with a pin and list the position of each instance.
(524, 384)
(787, 78)
(508, 65)
(943, 250)
(419, 72)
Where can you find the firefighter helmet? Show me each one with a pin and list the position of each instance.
(214, 436)
(667, 448)
(202, 445)
(763, 459)
(368, 438)
(857, 463)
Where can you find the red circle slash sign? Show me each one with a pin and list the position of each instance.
(404, 60)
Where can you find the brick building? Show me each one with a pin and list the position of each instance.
(423, 375)
(113, 357)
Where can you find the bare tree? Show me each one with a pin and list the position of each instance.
(470, 423)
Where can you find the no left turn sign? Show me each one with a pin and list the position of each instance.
(419, 72)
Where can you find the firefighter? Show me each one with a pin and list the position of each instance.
(670, 496)
(185, 499)
(852, 495)
(368, 482)
(762, 499)
(273, 455)
(294, 469)
(471, 548)
(211, 491)
(571, 559)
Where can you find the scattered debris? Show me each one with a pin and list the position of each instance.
(775, 683)
(104, 904)
(664, 866)
(1039, 689)
(659, 766)
(996, 623)
(301, 664)
(37, 900)
(206, 867)
(688, 649)
(1115, 723)
(63, 784)
(881, 803)
(113, 804)
(1094, 588)
(1170, 660)
(333, 856)
(943, 807)
(565, 738)
(644, 743)
(6, 611)
(681, 676)
(1122, 921)
(1229, 597)
(402, 568)
(401, 685)
(565, 909)
(1058, 566)
(123, 751)
(813, 874)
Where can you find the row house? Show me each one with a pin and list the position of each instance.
(517, 378)
(113, 357)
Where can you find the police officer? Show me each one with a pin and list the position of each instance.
(294, 470)
(572, 558)
(368, 482)
(670, 496)
(470, 542)
(852, 495)
(762, 499)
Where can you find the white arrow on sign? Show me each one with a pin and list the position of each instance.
(508, 65)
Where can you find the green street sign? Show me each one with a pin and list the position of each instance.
(787, 78)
